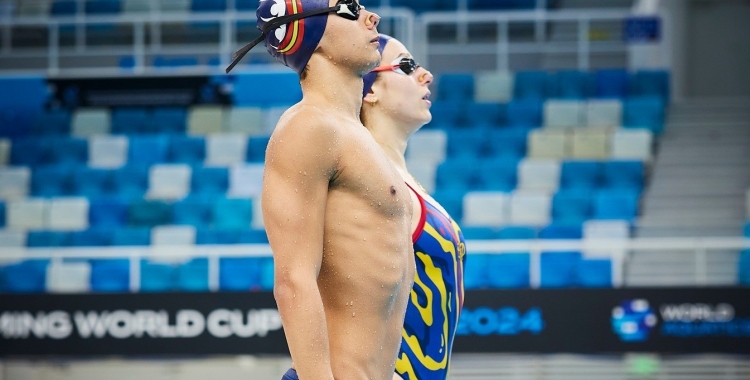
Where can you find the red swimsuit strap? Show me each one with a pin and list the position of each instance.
(422, 218)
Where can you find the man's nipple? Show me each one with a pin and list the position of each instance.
(393, 190)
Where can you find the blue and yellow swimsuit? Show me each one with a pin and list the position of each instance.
(436, 298)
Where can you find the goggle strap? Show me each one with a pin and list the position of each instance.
(275, 23)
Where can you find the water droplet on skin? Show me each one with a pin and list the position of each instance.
(352, 314)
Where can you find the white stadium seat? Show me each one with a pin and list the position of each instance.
(91, 121)
(271, 117)
(563, 114)
(424, 171)
(205, 120)
(4, 152)
(245, 181)
(591, 143)
(108, 152)
(169, 182)
(428, 146)
(65, 277)
(553, 144)
(529, 208)
(606, 229)
(257, 222)
(68, 214)
(604, 113)
(27, 214)
(485, 209)
(632, 144)
(173, 235)
(14, 182)
(12, 238)
(493, 87)
(535, 174)
(246, 120)
(226, 149)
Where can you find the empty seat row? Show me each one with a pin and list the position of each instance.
(167, 181)
(502, 86)
(589, 229)
(105, 7)
(76, 214)
(524, 208)
(115, 151)
(536, 174)
(197, 120)
(591, 144)
(636, 112)
(558, 270)
(113, 276)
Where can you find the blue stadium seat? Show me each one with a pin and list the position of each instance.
(572, 206)
(508, 142)
(171, 120)
(498, 174)
(744, 267)
(475, 271)
(94, 237)
(452, 201)
(102, 7)
(278, 88)
(89, 182)
(652, 83)
(110, 276)
(559, 269)
(239, 274)
(479, 233)
(26, 277)
(64, 8)
(623, 175)
(447, 114)
(644, 112)
(189, 150)
(256, 149)
(581, 175)
(457, 175)
(209, 181)
(212, 236)
(157, 277)
(130, 182)
(517, 233)
(616, 204)
(532, 84)
(69, 151)
(502, 4)
(747, 229)
(526, 113)
(595, 273)
(192, 276)
(266, 274)
(483, 115)
(144, 213)
(148, 150)
(233, 213)
(132, 237)
(571, 84)
(2, 215)
(47, 239)
(246, 236)
(208, 5)
(51, 181)
(246, 5)
(130, 121)
(566, 231)
(22, 98)
(31, 152)
(52, 123)
(508, 270)
(467, 143)
(193, 211)
(612, 83)
(456, 86)
(108, 212)
(174, 62)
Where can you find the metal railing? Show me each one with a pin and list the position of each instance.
(400, 21)
(584, 46)
(618, 250)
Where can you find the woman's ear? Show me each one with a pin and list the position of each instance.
(371, 98)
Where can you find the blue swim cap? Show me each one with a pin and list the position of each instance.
(293, 44)
(370, 77)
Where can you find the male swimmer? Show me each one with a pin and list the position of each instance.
(336, 210)
(396, 104)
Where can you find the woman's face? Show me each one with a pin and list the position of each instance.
(404, 97)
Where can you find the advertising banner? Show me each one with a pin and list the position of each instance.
(685, 320)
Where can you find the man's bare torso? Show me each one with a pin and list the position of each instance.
(367, 269)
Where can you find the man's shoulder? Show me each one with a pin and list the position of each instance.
(306, 122)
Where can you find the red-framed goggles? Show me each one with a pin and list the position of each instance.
(404, 66)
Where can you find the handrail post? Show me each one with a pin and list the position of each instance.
(535, 266)
(135, 273)
(213, 271)
(503, 47)
(701, 263)
(139, 46)
(584, 47)
(53, 50)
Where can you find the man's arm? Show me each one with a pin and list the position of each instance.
(299, 166)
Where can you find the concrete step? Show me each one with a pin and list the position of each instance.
(654, 203)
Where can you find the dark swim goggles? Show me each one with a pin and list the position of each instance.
(348, 9)
(404, 66)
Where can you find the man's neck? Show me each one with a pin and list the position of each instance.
(336, 87)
